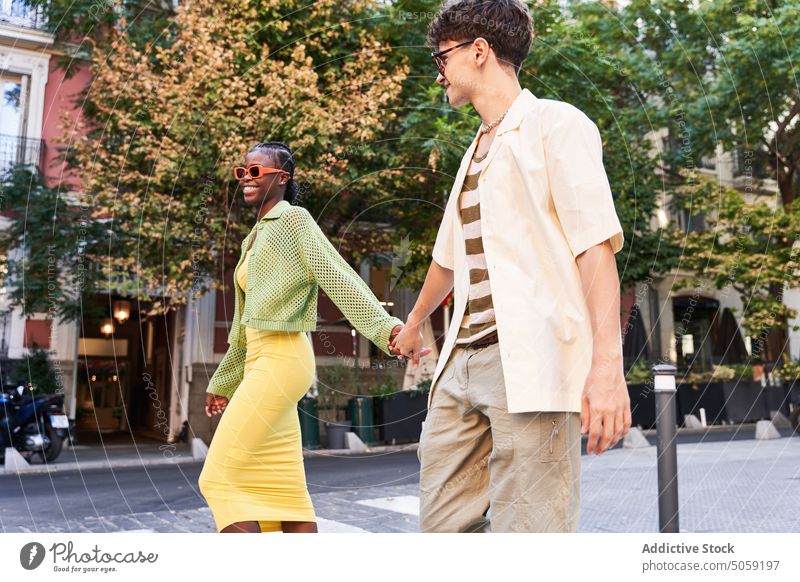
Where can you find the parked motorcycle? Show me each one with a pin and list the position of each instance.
(32, 424)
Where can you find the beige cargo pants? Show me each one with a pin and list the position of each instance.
(474, 455)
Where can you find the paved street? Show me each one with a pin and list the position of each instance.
(738, 485)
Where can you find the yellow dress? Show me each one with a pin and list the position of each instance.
(254, 468)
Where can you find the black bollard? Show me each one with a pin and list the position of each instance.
(666, 431)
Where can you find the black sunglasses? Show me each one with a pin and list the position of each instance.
(440, 62)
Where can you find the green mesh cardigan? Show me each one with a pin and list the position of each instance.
(291, 259)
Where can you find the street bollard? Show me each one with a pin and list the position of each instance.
(666, 431)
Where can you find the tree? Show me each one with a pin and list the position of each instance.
(732, 68)
(38, 371)
(748, 247)
(729, 69)
(581, 55)
(48, 240)
(163, 124)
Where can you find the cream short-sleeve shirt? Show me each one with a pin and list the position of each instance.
(545, 199)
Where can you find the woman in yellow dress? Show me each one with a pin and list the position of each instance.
(253, 477)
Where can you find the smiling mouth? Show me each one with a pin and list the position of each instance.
(249, 189)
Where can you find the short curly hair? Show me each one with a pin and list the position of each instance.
(506, 24)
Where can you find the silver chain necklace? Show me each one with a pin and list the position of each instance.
(487, 128)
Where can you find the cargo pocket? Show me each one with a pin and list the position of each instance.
(552, 436)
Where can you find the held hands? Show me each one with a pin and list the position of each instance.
(605, 406)
(406, 341)
(215, 404)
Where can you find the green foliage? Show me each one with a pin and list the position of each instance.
(723, 373)
(38, 370)
(727, 373)
(789, 370)
(582, 55)
(79, 24)
(743, 372)
(421, 388)
(746, 246)
(334, 383)
(639, 373)
(730, 71)
(385, 388)
(59, 243)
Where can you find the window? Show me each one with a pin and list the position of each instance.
(14, 146)
(19, 13)
(691, 222)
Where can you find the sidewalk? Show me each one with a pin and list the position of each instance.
(149, 453)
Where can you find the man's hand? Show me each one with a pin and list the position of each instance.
(605, 406)
(408, 343)
(215, 404)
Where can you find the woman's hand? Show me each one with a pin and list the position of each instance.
(396, 330)
(215, 404)
(408, 343)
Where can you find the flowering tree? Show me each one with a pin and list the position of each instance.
(163, 123)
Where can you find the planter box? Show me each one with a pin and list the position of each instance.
(693, 397)
(777, 398)
(399, 416)
(793, 392)
(744, 401)
(643, 405)
(734, 401)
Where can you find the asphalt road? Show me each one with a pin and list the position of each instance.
(73, 495)
(48, 498)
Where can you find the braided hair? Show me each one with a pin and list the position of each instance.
(284, 159)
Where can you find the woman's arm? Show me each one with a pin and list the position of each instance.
(229, 373)
(344, 286)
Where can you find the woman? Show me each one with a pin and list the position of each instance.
(253, 477)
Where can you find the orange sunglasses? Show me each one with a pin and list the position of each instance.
(255, 171)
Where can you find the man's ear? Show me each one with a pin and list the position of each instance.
(481, 50)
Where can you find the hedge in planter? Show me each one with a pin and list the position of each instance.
(399, 415)
(639, 379)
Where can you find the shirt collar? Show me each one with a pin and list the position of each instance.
(516, 113)
(276, 210)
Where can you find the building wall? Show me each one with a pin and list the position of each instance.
(658, 317)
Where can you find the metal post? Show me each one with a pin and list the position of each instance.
(666, 431)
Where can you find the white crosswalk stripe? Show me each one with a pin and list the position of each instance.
(330, 526)
(401, 504)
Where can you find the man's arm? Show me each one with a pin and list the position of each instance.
(438, 283)
(605, 404)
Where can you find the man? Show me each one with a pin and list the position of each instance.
(533, 358)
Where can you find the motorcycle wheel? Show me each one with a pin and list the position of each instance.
(56, 444)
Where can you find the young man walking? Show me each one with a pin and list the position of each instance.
(533, 357)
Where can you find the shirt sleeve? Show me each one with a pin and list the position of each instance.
(443, 248)
(229, 373)
(344, 286)
(578, 183)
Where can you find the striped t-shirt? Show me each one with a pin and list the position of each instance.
(478, 322)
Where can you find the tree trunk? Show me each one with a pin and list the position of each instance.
(785, 179)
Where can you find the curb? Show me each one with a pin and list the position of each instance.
(307, 454)
(89, 465)
(179, 459)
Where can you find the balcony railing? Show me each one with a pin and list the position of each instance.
(18, 13)
(19, 150)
